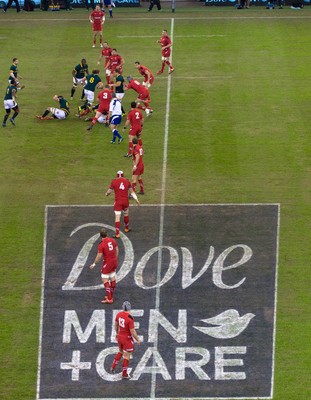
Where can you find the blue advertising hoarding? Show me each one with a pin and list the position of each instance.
(252, 2)
(75, 3)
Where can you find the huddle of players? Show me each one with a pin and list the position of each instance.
(107, 104)
(109, 110)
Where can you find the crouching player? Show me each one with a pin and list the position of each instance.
(57, 113)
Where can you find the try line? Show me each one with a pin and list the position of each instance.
(193, 18)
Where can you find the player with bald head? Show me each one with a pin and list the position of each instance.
(122, 188)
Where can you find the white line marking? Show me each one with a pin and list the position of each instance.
(162, 398)
(275, 300)
(42, 302)
(167, 205)
(163, 187)
(294, 17)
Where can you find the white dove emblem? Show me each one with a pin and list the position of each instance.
(229, 324)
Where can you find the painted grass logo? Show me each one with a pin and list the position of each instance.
(202, 286)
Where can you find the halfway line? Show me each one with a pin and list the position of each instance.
(163, 189)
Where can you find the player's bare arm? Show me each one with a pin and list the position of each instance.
(134, 335)
(134, 195)
(121, 63)
(136, 161)
(116, 328)
(97, 259)
(126, 125)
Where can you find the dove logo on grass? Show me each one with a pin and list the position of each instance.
(227, 325)
(204, 303)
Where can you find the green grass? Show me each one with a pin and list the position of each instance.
(239, 131)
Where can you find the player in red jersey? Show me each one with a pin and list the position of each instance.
(138, 166)
(125, 333)
(104, 97)
(121, 188)
(107, 251)
(136, 121)
(105, 53)
(97, 19)
(166, 44)
(143, 94)
(115, 61)
(146, 73)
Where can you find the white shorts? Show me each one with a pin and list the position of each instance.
(16, 81)
(59, 114)
(146, 84)
(102, 119)
(120, 96)
(111, 276)
(78, 81)
(89, 95)
(108, 72)
(165, 58)
(8, 104)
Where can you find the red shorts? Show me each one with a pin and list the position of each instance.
(150, 80)
(166, 52)
(139, 170)
(135, 131)
(121, 205)
(126, 343)
(103, 108)
(145, 96)
(109, 266)
(97, 28)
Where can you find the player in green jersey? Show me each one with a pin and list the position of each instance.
(92, 81)
(10, 103)
(14, 76)
(80, 72)
(118, 86)
(57, 113)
